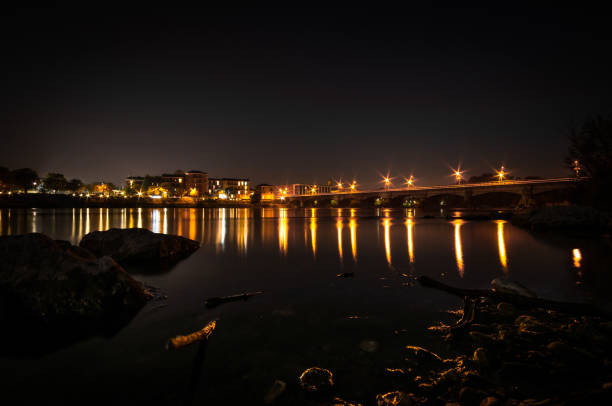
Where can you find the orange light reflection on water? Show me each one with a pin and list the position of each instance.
(458, 249)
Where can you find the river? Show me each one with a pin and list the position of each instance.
(307, 316)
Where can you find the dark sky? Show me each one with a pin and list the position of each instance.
(299, 95)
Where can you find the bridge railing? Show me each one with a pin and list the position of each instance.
(457, 186)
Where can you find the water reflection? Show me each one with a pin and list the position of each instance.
(387, 226)
(313, 235)
(458, 249)
(283, 227)
(577, 257)
(353, 230)
(409, 226)
(155, 221)
(140, 217)
(502, 245)
(339, 226)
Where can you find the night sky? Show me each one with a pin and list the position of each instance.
(299, 95)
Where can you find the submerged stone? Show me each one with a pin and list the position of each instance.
(316, 379)
(395, 398)
(529, 325)
(369, 345)
(275, 391)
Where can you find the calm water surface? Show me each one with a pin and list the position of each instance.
(307, 316)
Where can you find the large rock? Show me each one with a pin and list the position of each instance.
(139, 247)
(563, 218)
(54, 281)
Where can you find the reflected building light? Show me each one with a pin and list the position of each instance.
(74, 226)
(131, 224)
(282, 230)
(139, 217)
(87, 221)
(339, 213)
(387, 226)
(353, 211)
(339, 226)
(577, 256)
(503, 259)
(458, 249)
(313, 235)
(221, 229)
(353, 230)
(107, 227)
(80, 224)
(165, 222)
(123, 218)
(155, 222)
(33, 221)
(313, 212)
(243, 235)
(409, 226)
(100, 220)
(192, 224)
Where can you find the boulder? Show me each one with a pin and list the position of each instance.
(137, 246)
(50, 281)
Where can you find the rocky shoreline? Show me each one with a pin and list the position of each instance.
(510, 349)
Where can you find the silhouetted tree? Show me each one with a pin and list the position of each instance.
(6, 178)
(74, 185)
(485, 177)
(591, 150)
(24, 178)
(55, 182)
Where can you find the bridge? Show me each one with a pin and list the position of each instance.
(511, 193)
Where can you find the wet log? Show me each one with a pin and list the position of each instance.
(216, 301)
(519, 301)
(182, 341)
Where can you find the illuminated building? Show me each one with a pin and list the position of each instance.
(229, 188)
(196, 183)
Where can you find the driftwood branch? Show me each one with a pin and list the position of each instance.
(216, 301)
(182, 341)
(517, 300)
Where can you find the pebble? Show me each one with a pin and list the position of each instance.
(316, 379)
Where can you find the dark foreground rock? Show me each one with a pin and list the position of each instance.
(48, 279)
(53, 293)
(139, 247)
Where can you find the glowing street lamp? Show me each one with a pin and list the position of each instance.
(353, 186)
(458, 174)
(410, 181)
(387, 181)
(577, 168)
(339, 184)
(501, 173)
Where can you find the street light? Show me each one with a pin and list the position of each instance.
(410, 181)
(387, 181)
(339, 184)
(458, 174)
(353, 186)
(577, 168)
(501, 173)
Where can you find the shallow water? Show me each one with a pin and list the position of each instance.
(307, 316)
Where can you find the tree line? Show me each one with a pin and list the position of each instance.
(24, 179)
